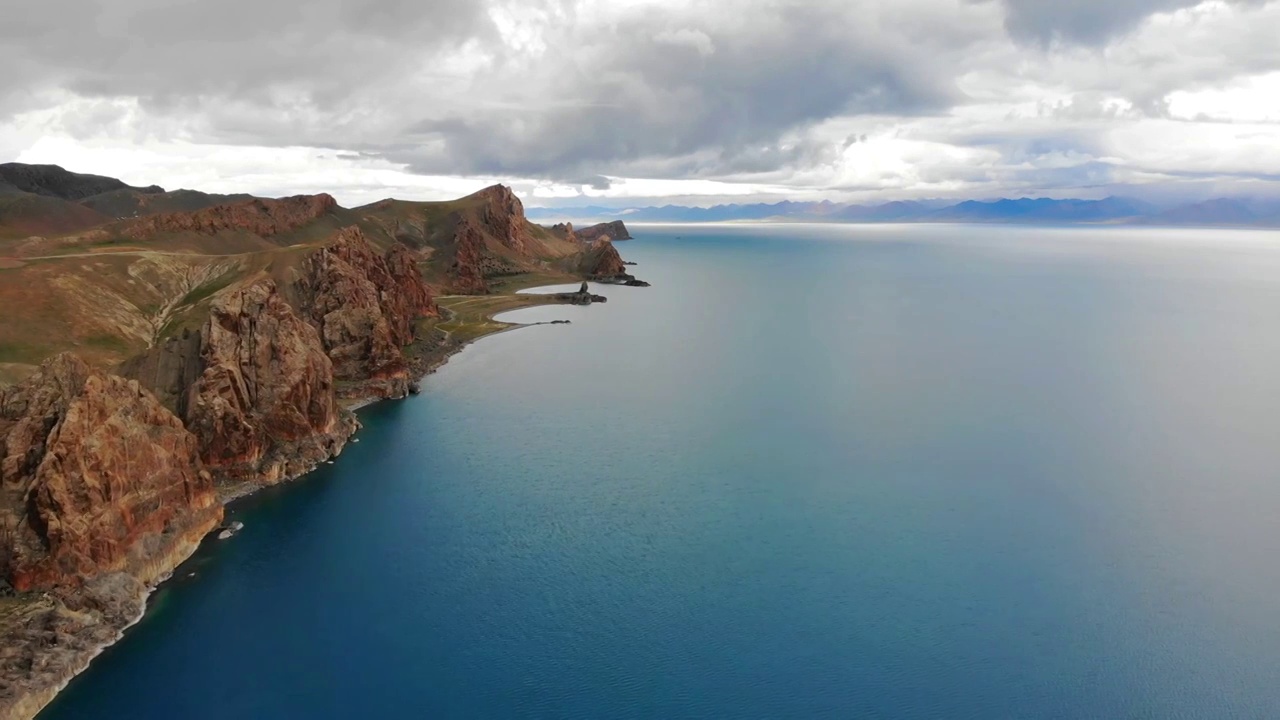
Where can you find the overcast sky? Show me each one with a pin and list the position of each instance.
(644, 101)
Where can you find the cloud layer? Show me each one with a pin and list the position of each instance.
(765, 98)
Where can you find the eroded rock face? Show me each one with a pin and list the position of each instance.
(602, 263)
(366, 307)
(601, 260)
(97, 477)
(263, 408)
(473, 263)
(168, 369)
(260, 217)
(503, 216)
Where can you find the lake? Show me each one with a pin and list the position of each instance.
(920, 471)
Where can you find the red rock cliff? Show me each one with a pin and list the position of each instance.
(96, 476)
(263, 408)
(601, 260)
(262, 217)
(469, 260)
(503, 216)
(366, 307)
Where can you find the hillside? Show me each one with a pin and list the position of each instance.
(108, 271)
(53, 181)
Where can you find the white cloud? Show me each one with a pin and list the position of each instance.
(685, 37)
(664, 98)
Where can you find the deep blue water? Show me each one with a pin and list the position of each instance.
(896, 472)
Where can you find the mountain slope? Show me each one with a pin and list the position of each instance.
(53, 181)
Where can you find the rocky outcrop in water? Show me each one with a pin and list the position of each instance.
(264, 408)
(259, 216)
(366, 307)
(602, 263)
(96, 476)
(615, 230)
(582, 297)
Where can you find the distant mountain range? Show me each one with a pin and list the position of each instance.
(1220, 212)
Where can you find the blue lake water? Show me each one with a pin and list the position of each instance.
(896, 472)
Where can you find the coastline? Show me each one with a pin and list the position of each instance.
(460, 329)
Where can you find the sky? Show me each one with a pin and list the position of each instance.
(629, 102)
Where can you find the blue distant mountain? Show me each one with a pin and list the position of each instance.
(1221, 212)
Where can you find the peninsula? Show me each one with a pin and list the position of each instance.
(162, 353)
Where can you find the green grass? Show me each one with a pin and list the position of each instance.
(108, 342)
(471, 316)
(208, 289)
(24, 353)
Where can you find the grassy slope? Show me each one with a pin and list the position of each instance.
(24, 214)
(107, 296)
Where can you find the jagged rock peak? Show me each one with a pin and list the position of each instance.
(565, 231)
(502, 195)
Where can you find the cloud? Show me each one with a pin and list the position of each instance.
(685, 37)
(1089, 22)
(900, 97)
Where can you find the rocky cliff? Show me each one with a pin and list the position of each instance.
(168, 369)
(264, 408)
(258, 216)
(473, 261)
(503, 213)
(602, 263)
(97, 476)
(366, 307)
(108, 482)
(615, 230)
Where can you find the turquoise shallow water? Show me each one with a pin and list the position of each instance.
(907, 472)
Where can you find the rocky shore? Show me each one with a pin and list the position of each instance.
(48, 637)
(111, 477)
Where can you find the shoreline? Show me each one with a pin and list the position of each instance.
(29, 704)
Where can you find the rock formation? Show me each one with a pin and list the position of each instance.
(582, 297)
(263, 408)
(96, 476)
(168, 370)
(366, 307)
(615, 230)
(260, 217)
(473, 263)
(565, 231)
(602, 263)
(503, 214)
